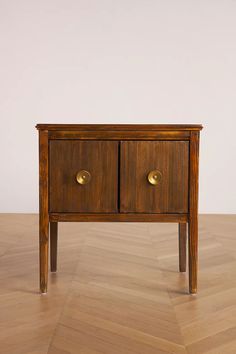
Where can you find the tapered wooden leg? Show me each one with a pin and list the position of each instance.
(53, 245)
(193, 255)
(182, 246)
(43, 255)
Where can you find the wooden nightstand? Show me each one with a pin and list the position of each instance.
(141, 173)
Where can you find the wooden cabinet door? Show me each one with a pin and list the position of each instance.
(138, 158)
(66, 159)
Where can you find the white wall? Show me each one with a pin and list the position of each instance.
(126, 61)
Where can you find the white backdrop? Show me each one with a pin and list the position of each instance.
(126, 61)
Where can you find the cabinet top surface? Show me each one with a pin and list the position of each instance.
(118, 127)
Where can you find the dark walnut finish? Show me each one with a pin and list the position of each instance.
(140, 157)
(118, 173)
(100, 158)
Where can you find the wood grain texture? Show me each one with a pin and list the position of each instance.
(182, 246)
(43, 209)
(117, 127)
(138, 158)
(193, 212)
(67, 158)
(119, 158)
(120, 135)
(118, 290)
(119, 217)
(53, 245)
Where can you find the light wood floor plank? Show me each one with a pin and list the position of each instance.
(117, 290)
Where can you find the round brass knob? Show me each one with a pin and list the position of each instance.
(154, 177)
(83, 177)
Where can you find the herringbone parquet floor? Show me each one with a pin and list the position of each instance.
(117, 290)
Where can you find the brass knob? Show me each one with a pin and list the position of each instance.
(83, 177)
(154, 177)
